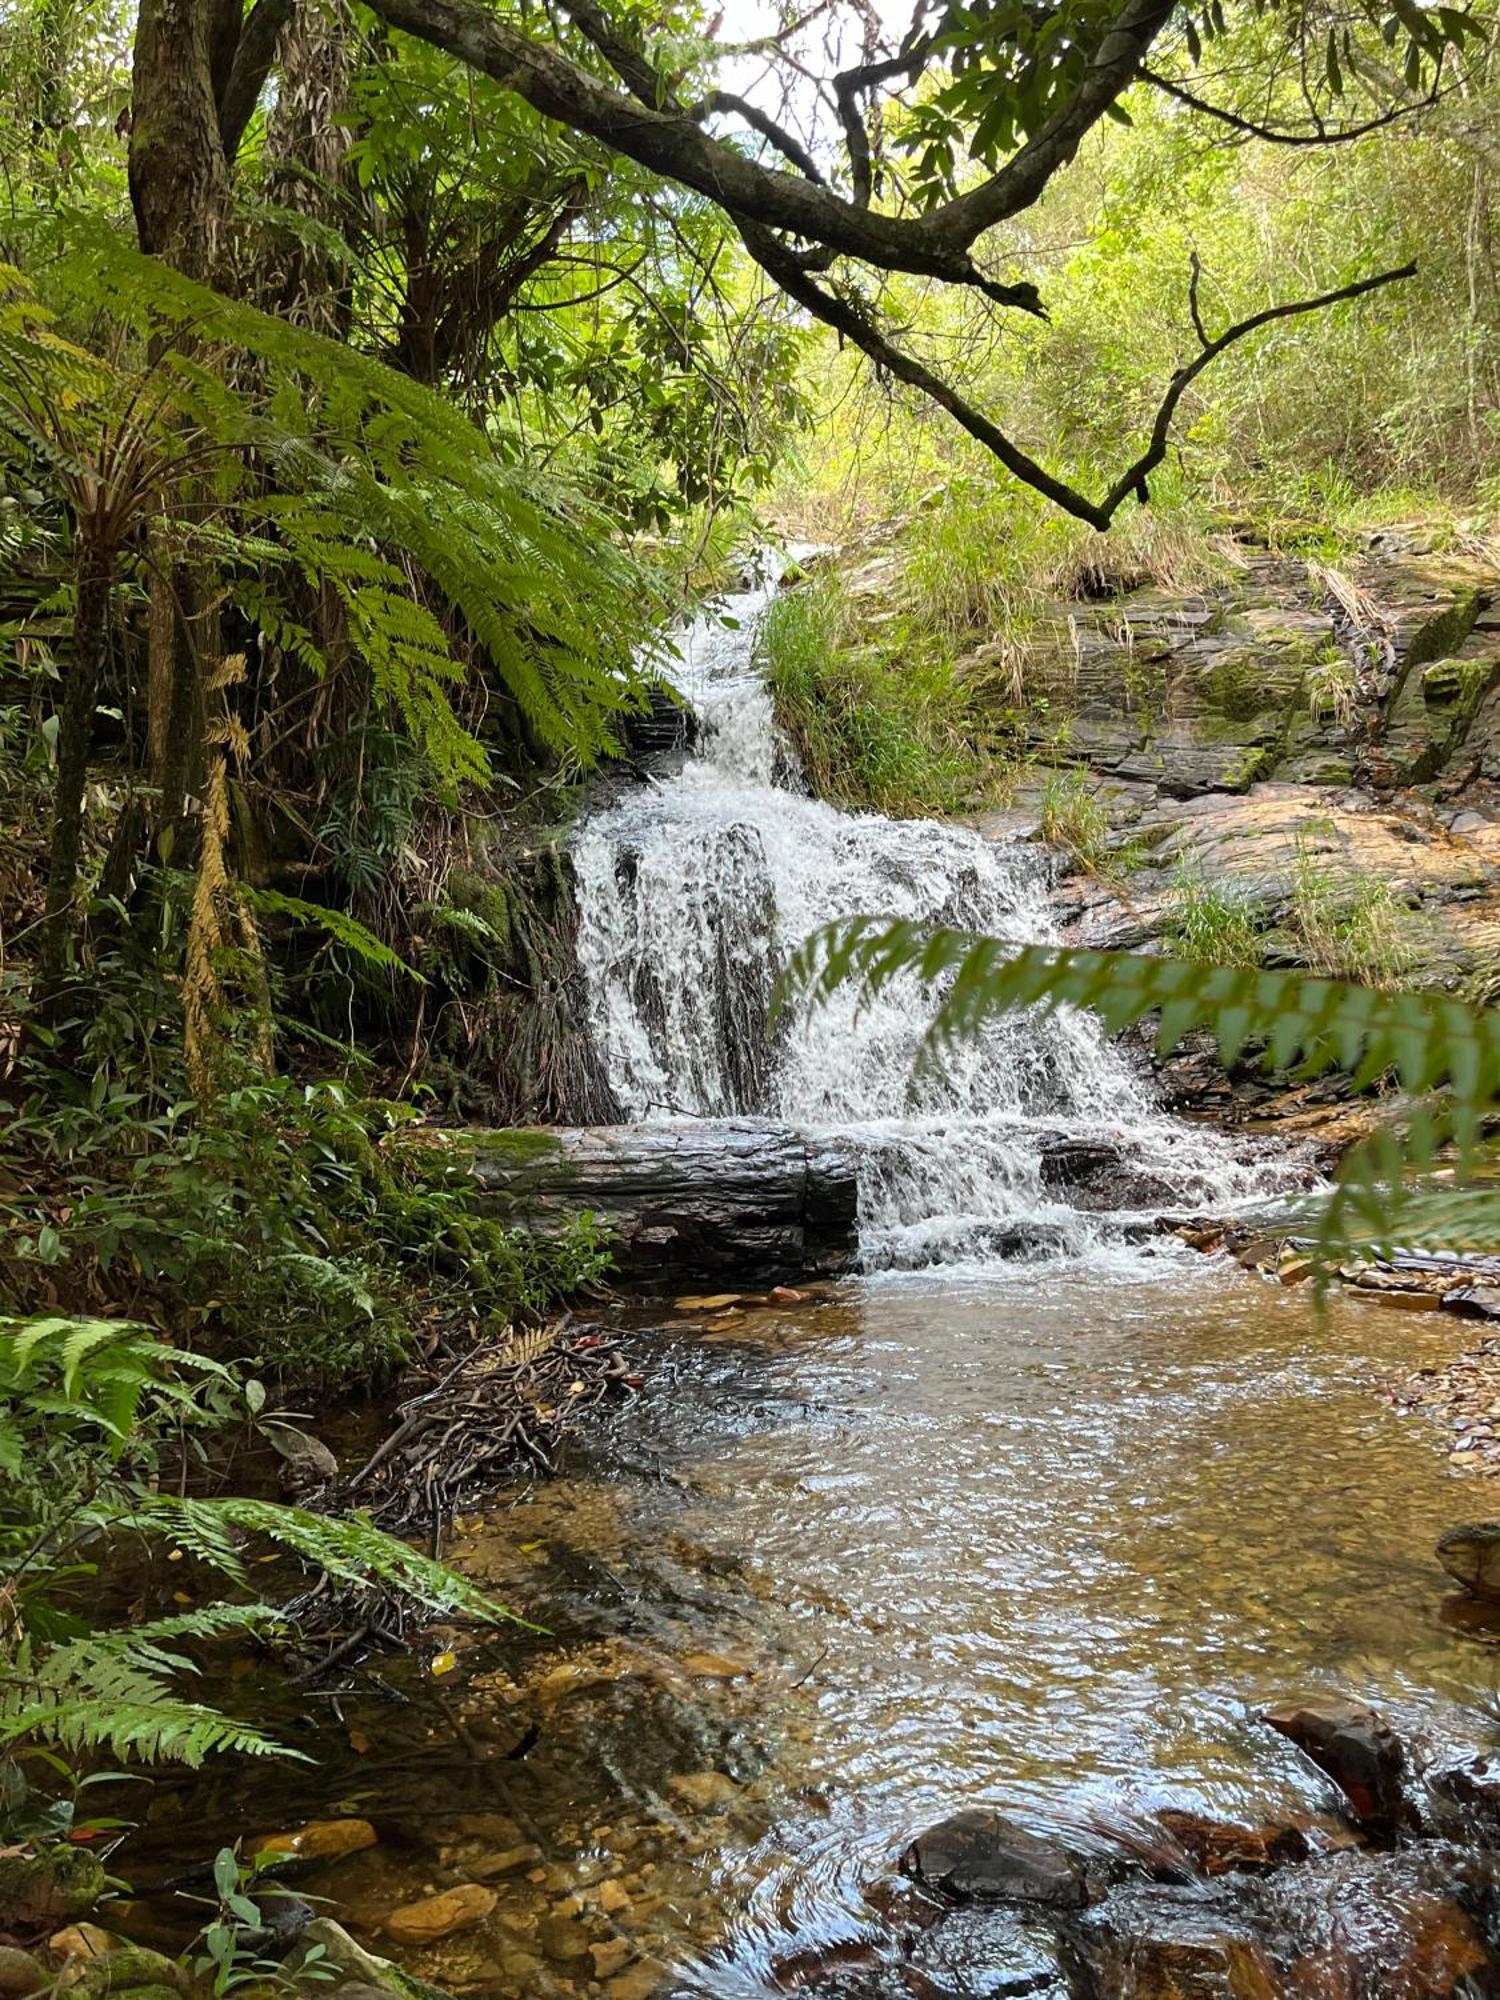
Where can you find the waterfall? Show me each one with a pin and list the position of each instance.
(695, 890)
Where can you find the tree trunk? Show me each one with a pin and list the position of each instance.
(75, 731)
(723, 1198)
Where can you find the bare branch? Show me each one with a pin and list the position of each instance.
(789, 147)
(1325, 135)
(857, 326)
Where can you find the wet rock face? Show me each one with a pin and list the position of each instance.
(1356, 1750)
(1471, 1556)
(987, 1954)
(983, 1857)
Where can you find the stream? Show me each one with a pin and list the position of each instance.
(1037, 1510)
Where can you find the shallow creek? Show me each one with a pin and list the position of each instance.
(1045, 1537)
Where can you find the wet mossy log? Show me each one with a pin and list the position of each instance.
(756, 1201)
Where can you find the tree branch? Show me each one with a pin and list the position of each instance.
(856, 326)
(785, 143)
(669, 142)
(253, 56)
(1251, 128)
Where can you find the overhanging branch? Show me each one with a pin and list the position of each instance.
(857, 326)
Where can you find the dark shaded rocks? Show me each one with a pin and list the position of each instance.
(980, 1856)
(1156, 1944)
(1465, 1799)
(984, 1954)
(49, 1888)
(1471, 1555)
(1352, 1746)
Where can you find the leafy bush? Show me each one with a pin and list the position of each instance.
(290, 1224)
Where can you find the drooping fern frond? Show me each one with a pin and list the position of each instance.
(348, 1548)
(1425, 1041)
(116, 1691)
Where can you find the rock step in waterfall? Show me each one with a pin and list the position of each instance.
(694, 890)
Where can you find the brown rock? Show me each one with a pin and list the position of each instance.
(1218, 1848)
(611, 1957)
(705, 1790)
(319, 1840)
(1355, 1749)
(440, 1916)
(1471, 1556)
(490, 1867)
(82, 1941)
(21, 1973)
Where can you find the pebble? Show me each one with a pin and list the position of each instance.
(82, 1941)
(491, 1866)
(613, 1897)
(705, 1789)
(440, 1916)
(611, 1957)
(21, 1974)
(319, 1840)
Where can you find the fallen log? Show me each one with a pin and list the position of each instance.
(719, 1196)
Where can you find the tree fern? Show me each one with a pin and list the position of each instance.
(1424, 1041)
(374, 483)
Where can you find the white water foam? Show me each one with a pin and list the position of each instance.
(694, 893)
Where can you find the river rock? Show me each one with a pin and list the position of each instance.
(21, 1973)
(53, 1887)
(984, 1954)
(979, 1856)
(1215, 1847)
(1471, 1556)
(440, 1916)
(1466, 1799)
(490, 1867)
(319, 1840)
(1352, 1746)
(705, 1791)
(82, 1941)
(342, 1956)
(128, 1969)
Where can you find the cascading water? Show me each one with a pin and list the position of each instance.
(694, 892)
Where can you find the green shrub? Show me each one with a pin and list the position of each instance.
(1208, 923)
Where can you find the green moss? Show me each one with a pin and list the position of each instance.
(522, 1147)
(1249, 681)
(1445, 631)
(1457, 686)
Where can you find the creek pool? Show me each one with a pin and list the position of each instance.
(1042, 1536)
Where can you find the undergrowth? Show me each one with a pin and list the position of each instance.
(876, 724)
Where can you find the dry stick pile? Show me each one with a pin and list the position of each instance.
(502, 1406)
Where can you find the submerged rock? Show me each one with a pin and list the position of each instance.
(980, 1856)
(440, 1916)
(319, 1840)
(1216, 1847)
(1353, 1747)
(984, 1954)
(1471, 1555)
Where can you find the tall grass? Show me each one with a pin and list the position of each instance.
(876, 728)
